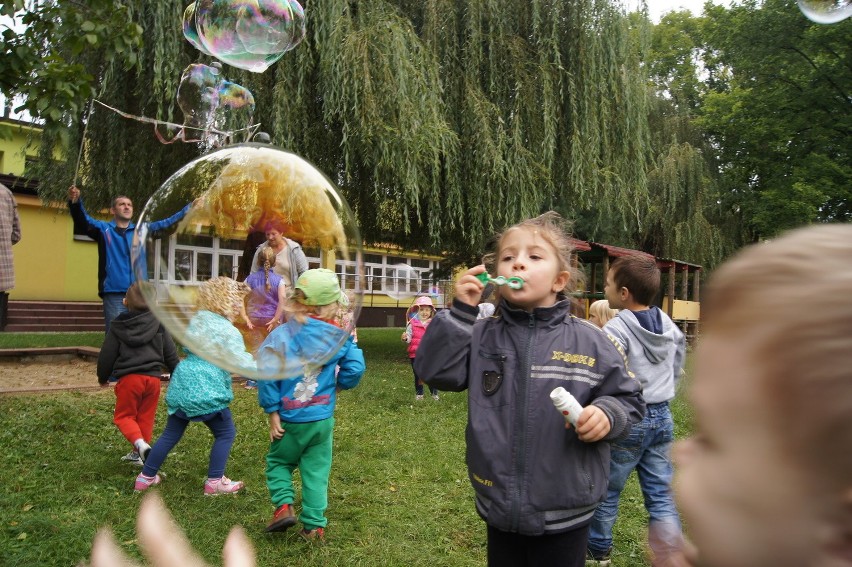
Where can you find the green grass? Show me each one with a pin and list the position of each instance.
(398, 496)
(42, 340)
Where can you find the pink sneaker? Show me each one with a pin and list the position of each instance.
(144, 482)
(224, 485)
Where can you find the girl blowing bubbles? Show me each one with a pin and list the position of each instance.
(201, 391)
(537, 479)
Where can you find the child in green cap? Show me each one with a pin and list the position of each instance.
(301, 407)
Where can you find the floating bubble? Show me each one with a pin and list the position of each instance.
(198, 94)
(826, 11)
(211, 105)
(230, 195)
(401, 282)
(249, 34)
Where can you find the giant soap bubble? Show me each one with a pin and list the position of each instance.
(826, 11)
(249, 34)
(232, 198)
(401, 282)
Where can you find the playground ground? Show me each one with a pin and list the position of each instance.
(398, 483)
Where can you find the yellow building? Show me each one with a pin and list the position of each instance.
(49, 264)
(52, 264)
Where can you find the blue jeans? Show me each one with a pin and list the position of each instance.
(220, 424)
(647, 449)
(113, 307)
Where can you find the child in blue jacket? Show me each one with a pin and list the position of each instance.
(301, 409)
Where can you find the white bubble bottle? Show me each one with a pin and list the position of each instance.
(567, 405)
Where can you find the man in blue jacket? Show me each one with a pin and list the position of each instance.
(114, 238)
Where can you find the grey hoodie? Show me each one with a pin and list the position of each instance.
(136, 344)
(656, 360)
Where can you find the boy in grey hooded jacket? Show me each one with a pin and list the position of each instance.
(655, 350)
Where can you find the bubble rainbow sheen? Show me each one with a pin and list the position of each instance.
(248, 34)
(208, 102)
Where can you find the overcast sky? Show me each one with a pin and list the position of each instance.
(656, 8)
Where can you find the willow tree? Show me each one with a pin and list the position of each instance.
(440, 120)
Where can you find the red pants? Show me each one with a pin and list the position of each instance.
(136, 397)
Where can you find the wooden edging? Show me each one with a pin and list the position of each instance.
(81, 351)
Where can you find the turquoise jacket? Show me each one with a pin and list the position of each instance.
(199, 387)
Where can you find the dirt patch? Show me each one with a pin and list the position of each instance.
(50, 371)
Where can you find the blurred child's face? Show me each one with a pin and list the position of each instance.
(424, 312)
(524, 253)
(745, 499)
(593, 318)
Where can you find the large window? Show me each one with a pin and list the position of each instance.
(194, 260)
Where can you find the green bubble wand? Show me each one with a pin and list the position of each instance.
(513, 282)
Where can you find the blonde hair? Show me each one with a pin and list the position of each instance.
(222, 295)
(267, 258)
(557, 232)
(298, 310)
(796, 313)
(602, 311)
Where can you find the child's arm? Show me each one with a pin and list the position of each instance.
(269, 395)
(351, 365)
(279, 311)
(170, 356)
(407, 333)
(244, 316)
(444, 351)
(619, 396)
(237, 348)
(276, 431)
(107, 358)
(680, 356)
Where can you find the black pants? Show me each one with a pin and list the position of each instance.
(418, 385)
(4, 310)
(566, 549)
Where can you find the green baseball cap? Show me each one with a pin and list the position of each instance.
(320, 287)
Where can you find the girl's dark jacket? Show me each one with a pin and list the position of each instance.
(531, 475)
(136, 344)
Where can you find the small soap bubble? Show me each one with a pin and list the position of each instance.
(230, 199)
(198, 94)
(401, 282)
(826, 11)
(213, 108)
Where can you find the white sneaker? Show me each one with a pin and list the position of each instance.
(436, 397)
(133, 458)
(419, 397)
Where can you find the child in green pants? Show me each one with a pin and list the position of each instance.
(301, 409)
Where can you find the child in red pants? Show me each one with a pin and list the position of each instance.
(136, 351)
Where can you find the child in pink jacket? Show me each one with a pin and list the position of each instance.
(419, 315)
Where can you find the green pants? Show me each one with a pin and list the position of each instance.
(308, 447)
